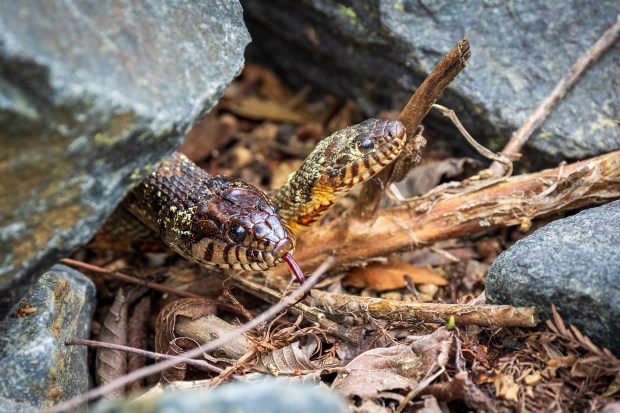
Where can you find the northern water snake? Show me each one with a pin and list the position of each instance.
(225, 222)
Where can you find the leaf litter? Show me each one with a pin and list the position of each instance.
(394, 366)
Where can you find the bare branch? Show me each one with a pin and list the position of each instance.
(400, 311)
(411, 116)
(459, 209)
(75, 341)
(127, 278)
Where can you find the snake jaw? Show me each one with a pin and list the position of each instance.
(228, 223)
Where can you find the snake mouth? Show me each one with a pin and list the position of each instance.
(371, 166)
(239, 257)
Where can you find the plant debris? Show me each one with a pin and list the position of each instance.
(407, 333)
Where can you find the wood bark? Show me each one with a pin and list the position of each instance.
(461, 209)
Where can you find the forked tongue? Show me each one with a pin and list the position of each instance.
(294, 268)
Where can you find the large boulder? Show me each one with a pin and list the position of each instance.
(573, 263)
(92, 93)
(376, 52)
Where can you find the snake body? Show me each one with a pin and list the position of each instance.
(227, 223)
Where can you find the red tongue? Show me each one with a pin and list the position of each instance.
(294, 268)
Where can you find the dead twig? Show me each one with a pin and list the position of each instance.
(450, 114)
(270, 295)
(159, 367)
(538, 116)
(460, 210)
(411, 116)
(128, 279)
(400, 311)
(75, 341)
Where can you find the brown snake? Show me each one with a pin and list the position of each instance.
(227, 223)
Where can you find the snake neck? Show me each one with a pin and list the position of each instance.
(304, 199)
(337, 164)
(166, 200)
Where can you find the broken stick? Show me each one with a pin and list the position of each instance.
(311, 314)
(455, 210)
(411, 116)
(400, 311)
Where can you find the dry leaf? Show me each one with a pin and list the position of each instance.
(166, 319)
(208, 134)
(462, 388)
(532, 379)
(136, 337)
(287, 359)
(427, 176)
(378, 370)
(382, 277)
(252, 107)
(271, 86)
(396, 368)
(506, 388)
(176, 347)
(112, 364)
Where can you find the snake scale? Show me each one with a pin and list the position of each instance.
(227, 223)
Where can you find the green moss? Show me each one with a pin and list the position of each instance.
(349, 14)
(545, 135)
(602, 123)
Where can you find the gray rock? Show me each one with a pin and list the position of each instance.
(573, 263)
(376, 52)
(38, 369)
(9, 406)
(268, 396)
(91, 94)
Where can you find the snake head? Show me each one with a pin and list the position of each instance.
(338, 163)
(355, 154)
(235, 227)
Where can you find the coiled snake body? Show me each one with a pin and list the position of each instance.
(225, 222)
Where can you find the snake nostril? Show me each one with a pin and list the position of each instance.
(399, 129)
(282, 248)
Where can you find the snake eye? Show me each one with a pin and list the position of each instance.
(365, 144)
(236, 232)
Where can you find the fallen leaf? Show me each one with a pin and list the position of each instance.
(136, 337)
(461, 387)
(426, 177)
(506, 388)
(381, 277)
(286, 359)
(208, 134)
(166, 319)
(398, 368)
(111, 364)
(377, 370)
(532, 379)
(252, 107)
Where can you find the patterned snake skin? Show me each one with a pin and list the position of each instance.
(227, 223)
